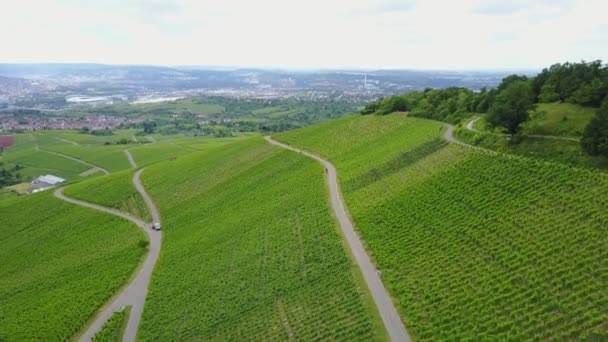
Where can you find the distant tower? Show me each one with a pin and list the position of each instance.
(365, 81)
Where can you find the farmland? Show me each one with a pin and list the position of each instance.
(251, 251)
(58, 264)
(114, 328)
(472, 245)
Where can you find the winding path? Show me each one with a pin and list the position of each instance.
(74, 159)
(134, 294)
(449, 136)
(470, 127)
(390, 317)
(131, 160)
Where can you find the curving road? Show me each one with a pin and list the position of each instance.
(74, 159)
(390, 317)
(470, 127)
(134, 294)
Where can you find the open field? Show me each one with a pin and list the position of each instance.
(472, 245)
(111, 158)
(237, 263)
(58, 264)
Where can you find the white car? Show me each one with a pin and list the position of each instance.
(156, 226)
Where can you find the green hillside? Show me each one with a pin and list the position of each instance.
(250, 252)
(472, 245)
(58, 264)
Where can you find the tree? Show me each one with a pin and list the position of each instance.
(595, 136)
(149, 127)
(511, 106)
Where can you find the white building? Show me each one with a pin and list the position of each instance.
(48, 180)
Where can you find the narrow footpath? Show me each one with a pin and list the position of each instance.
(131, 160)
(134, 294)
(390, 317)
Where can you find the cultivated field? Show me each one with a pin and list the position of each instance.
(472, 245)
(251, 251)
(58, 264)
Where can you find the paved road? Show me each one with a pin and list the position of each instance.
(135, 293)
(470, 127)
(131, 160)
(75, 159)
(390, 317)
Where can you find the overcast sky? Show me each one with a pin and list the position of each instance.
(412, 34)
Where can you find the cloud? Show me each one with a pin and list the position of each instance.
(438, 34)
(509, 7)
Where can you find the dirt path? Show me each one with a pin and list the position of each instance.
(131, 160)
(135, 293)
(99, 168)
(470, 127)
(390, 317)
(67, 141)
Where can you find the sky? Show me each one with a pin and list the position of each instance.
(370, 34)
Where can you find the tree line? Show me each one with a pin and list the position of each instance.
(508, 105)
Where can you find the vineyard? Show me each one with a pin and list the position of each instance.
(114, 328)
(251, 252)
(473, 245)
(58, 264)
(115, 191)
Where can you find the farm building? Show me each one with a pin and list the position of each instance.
(48, 180)
(6, 141)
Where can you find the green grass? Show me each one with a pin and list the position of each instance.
(114, 191)
(555, 119)
(151, 153)
(560, 119)
(59, 263)
(111, 158)
(114, 328)
(554, 150)
(250, 252)
(472, 245)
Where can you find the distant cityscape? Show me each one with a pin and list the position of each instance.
(55, 90)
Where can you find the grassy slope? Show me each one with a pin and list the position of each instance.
(111, 158)
(557, 119)
(151, 153)
(472, 245)
(561, 119)
(250, 251)
(114, 191)
(58, 264)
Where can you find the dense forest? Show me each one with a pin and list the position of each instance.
(507, 105)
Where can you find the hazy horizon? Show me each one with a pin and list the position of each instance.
(462, 35)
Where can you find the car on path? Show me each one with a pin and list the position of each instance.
(156, 226)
